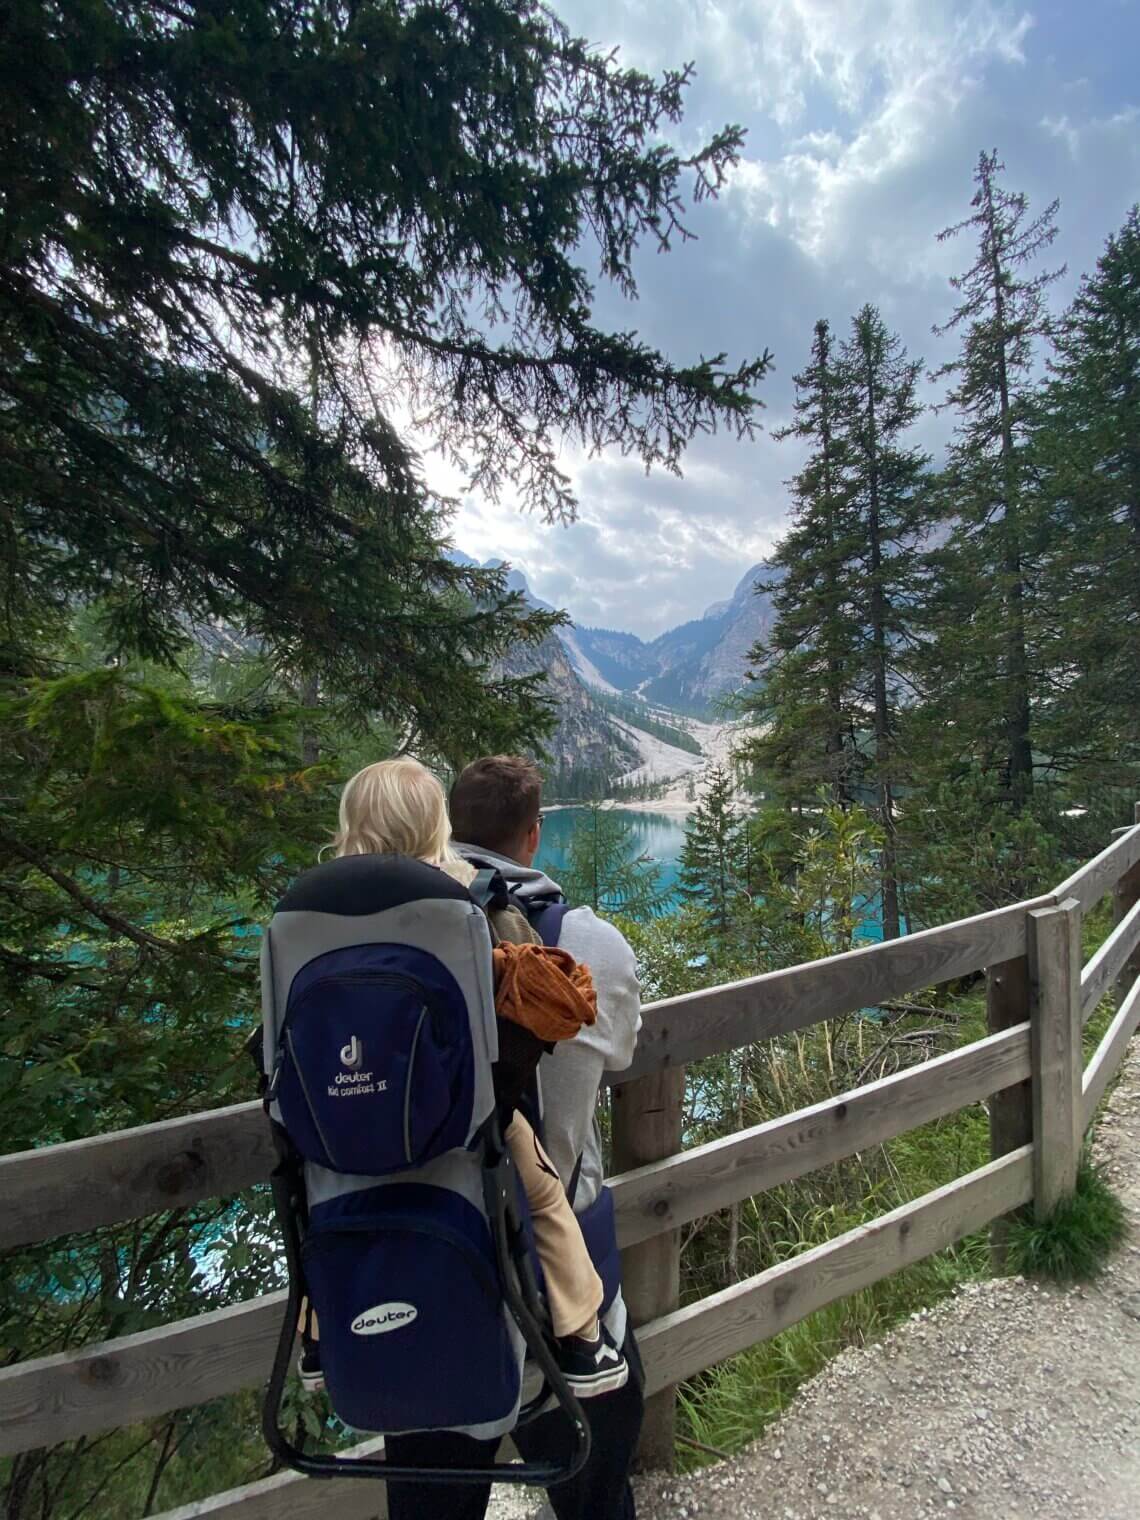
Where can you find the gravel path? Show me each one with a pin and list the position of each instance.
(1008, 1402)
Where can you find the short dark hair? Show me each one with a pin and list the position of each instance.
(495, 801)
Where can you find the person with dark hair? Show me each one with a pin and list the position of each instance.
(496, 819)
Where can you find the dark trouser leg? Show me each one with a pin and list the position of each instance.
(435, 1501)
(601, 1490)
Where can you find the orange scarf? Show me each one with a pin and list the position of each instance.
(544, 989)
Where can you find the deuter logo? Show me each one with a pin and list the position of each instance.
(383, 1318)
(351, 1082)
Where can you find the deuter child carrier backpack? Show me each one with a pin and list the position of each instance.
(394, 1190)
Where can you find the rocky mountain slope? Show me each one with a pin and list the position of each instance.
(690, 667)
(585, 739)
(685, 670)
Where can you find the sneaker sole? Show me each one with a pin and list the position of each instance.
(599, 1383)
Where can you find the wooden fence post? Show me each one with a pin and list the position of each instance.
(1011, 1109)
(1125, 896)
(1055, 1044)
(647, 1127)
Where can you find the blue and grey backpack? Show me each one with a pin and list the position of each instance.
(394, 1190)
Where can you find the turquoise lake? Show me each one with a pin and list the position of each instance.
(658, 835)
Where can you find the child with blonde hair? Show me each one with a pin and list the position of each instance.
(541, 996)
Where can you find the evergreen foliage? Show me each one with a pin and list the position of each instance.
(887, 507)
(835, 671)
(986, 611)
(1086, 455)
(802, 704)
(240, 245)
(644, 718)
(605, 873)
(714, 860)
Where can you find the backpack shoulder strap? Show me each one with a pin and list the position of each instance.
(547, 919)
(486, 887)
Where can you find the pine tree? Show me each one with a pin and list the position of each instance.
(837, 663)
(183, 240)
(1086, 452)
(606, 872)
(801, 702)
(983, 674)
(879, 406)
(714, 867)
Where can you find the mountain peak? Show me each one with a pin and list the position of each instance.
(688, 668)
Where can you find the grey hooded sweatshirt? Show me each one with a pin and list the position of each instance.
(569, 1078)
(571, 1075)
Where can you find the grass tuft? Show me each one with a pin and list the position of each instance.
(723, 1409)
(1076, 1240)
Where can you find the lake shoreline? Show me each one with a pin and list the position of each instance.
(654, 805)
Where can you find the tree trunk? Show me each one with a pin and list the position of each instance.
(310, 746)
(1019, 750)
(834, 742)
(881, 697)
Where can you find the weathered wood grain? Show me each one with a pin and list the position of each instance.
(1110, 960)
(56, 1398)
(647, 1126)
(1125, 897)
(62, 1189)
(1055, 1023)
(678, 1030)
(719, 1326)
(1109, 1053)
(1089, 884)
(141, 1171)
(698, 1181)
(289, 1496)
(1011, 1110)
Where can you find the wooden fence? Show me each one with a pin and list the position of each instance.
(1029, 1068)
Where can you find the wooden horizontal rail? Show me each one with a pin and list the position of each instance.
(1109, 961)
(48, 1191)
(1089, 884)
(678, 1030)
(669, 1193)
(71, 1394)
(75, 1393)
(63, 1189)
(79, 1186)
(291, 1496)
(717, 1327)
(1109, 1053)
(57, 1398)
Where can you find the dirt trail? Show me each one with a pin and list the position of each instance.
(1008, 1402)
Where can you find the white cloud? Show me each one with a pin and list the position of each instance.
(898, 71)
(865, 120)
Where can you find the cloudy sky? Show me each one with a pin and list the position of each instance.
(865, 119)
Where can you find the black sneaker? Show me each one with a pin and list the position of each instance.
(591, 1367)
(309, 1366)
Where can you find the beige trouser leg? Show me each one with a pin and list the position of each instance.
(573, 1288)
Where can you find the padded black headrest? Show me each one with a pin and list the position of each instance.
(356, 884)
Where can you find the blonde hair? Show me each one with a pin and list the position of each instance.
(394, 807)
